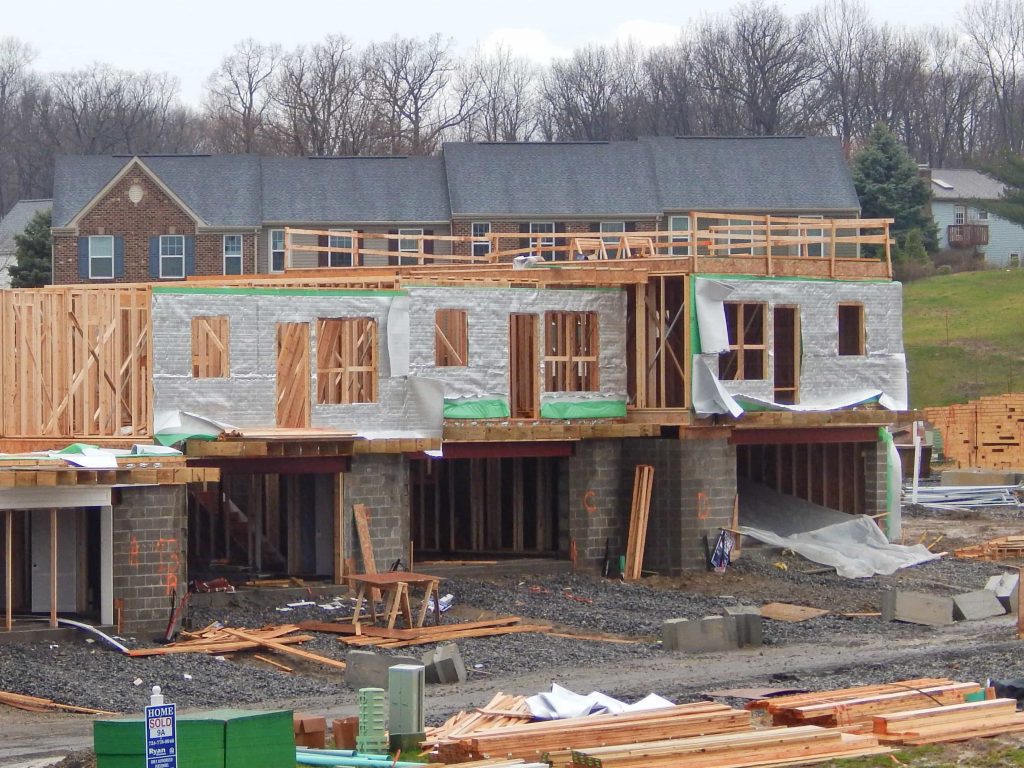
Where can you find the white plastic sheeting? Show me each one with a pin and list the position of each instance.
(561, 703)
(856, 548)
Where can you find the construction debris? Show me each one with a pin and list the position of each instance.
(423, 635)
(37, 704)
(1001, 548)
(953, 497)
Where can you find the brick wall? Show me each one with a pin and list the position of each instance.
(150, 536)
(693, 494)
(594, 514)
(463, 228)
(381, 482)
(875, 467)
(154, 214)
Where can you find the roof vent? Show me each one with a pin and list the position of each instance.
(941, 183)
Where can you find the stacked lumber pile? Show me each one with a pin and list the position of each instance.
(772, 746)
(554, 740)
(639, 512)
(501, 711)
(988, 432)
(217, 640)
(957, 722)
(854, 709)
(362, 635)
(37, 704)
(1002, 548)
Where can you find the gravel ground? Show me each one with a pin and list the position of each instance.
(89, 674)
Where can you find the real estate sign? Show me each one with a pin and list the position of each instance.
(161, 737)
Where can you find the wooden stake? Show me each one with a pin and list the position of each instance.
(1020, 605)
(9, 570)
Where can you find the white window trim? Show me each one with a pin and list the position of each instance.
(805, 248)
(684, 248)
(270, 251)
(113, 266)
(174, 256)
(959, 216)
(407, 233)
(618, 233)
(540, 244)
(982, 214)
(340, 250)
(476, 242)
(240, 255)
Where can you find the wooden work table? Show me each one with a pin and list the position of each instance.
(395, 585)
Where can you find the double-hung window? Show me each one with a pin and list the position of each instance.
(680, 228)
(612, 243)
(277, 250)
(101, 257)
(543, 246)
(481, 238)
(340, 254)
(232, 254)
(412, 244)
(172, 256)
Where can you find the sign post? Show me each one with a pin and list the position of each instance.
(161, 733)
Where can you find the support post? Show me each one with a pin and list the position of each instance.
(107, 565)
(339, 529)
(9, 570)
(53, 567)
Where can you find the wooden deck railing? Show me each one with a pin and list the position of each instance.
(763, 245)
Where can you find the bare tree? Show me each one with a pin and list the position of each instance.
(996, 31)
(239, 95)
(506, 91)
(582, 94)
(412, 83)
(16, 79)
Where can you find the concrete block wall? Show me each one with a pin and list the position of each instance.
(150, 540)
(381, 482)
(693, 495)
(875, 466)
(594, 514)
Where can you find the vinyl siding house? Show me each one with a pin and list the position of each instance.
(964, 226)
(13, 224)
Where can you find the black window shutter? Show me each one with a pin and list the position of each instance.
(595, 226)
(83, 258)
(190, 255)
(428, 245)
(631, 226)
(323, 259)
(154, 257)
(560, 242)
(118, 256)
(393, 248)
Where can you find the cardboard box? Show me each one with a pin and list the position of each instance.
(310, 731)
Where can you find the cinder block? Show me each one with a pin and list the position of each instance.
(444, 665)
(1005, 587)
(712, 633)
(917, 608)
(980, 476)
(366, 669)
(749, 624)
(980, 604)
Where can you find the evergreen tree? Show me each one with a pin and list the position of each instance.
(33, 267)
(889, 186)
(1009, 170)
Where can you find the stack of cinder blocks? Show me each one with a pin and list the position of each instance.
(741, 627)
(997, 598)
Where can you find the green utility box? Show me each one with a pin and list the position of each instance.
(222, 738)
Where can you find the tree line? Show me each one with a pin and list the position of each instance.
(953, 95)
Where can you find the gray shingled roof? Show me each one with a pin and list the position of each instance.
(354, 189)
(17, 219)
(223, 190)
(785, 173)
(965, 183)
(550, 179)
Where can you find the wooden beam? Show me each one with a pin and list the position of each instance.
(339, 528)
(53, 568)
(8, 569)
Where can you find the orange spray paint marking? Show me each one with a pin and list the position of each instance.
(589, 502)
(133, 552)
(703, 506)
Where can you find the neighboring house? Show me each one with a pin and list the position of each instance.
(964, 226)
(128, 219)
(13, 224)
(475, 409)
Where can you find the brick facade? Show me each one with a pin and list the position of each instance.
(693, 495)
(381, 482)
(155, 214)
(149, 550)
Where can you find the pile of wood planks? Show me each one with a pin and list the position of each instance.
(772, 746)
(37, 704)
(501, 711)
(1001, 548)
(639, 512)
(216, 639)
(554, 740)
(380, 637)
(854, 709)
(957, 722)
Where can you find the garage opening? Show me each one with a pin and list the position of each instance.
(485, 506)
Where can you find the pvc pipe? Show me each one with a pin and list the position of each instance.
(305, 758)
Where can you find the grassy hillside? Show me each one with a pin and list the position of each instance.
(964, 336)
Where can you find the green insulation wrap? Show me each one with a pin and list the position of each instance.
(476, 409)
(584, 409)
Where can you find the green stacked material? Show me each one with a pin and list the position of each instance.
(584, 409)
(122, 743)
(224, 738)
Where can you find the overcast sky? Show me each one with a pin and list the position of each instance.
(189, 37)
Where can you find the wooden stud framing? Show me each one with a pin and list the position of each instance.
(53, 568)
(570, 352)
(293, 375)
(524, 379)
(747, 358)
(210, 359)
(339, 528)
(451, 337)
(643, 484)
(346, 360)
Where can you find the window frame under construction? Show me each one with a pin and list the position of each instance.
(740, 362)
(571, 351)
(346, 360)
